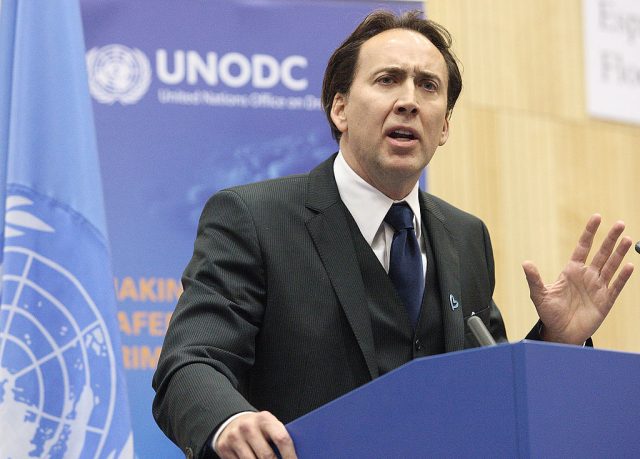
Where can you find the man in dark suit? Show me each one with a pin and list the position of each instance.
(291, 297)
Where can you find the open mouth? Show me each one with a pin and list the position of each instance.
(400, 134)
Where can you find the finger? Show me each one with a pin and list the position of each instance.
(536, 285)
(620, 281)
(278, 434)
(230, 455)
(259, 443)
(234, 439)
(233, 445)
(607, 246)
(269, 429)
(586, 239)
(613, 263)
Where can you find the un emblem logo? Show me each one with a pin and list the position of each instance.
(57, 364)
(118, 74)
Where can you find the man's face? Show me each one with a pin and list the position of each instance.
(394, 116)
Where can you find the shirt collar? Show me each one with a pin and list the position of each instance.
(368, 205)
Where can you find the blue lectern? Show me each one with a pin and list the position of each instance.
(524, 400)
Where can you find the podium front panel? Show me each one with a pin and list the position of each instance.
(579, 402)
(454, 405)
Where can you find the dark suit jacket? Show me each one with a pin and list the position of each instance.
(274, 313)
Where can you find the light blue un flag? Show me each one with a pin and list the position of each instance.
(62, 390)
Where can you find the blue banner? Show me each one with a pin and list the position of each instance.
(62, 390)
(191, 97)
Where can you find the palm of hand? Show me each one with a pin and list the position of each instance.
(575, 305)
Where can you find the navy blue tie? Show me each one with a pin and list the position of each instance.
(405, 264)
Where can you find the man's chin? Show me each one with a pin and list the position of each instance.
(408, 166)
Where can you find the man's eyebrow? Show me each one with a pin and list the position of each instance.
(394, 69)
(425, 74)
(397, 70)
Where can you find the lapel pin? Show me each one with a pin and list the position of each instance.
(454, 303)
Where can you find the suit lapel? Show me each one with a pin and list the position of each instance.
(448, 264)
(330, 232)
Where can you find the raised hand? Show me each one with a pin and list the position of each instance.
(575, 305)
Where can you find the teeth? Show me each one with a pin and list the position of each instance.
(402, 134)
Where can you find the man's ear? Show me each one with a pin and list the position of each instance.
(444, 135)
(338, 112)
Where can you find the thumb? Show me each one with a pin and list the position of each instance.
(537, 288)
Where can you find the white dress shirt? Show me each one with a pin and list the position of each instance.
(369, 206)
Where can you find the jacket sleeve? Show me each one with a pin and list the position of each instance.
(210, 344)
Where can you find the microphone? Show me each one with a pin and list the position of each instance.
(638, 246)
(480, 332)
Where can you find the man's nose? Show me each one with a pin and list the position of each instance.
(407, 102)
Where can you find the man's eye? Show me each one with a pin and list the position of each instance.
(386, 80)
(429, 85)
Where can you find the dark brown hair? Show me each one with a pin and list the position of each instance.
(341, 67)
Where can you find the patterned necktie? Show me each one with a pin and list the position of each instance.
(405, 264)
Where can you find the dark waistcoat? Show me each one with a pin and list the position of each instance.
(395, 340)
